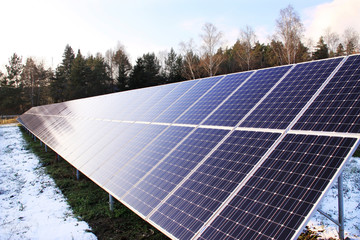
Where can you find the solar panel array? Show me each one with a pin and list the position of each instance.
(240, 156)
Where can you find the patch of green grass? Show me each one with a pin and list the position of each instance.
(357, 152)
(90, 202)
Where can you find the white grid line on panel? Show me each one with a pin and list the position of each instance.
(323, 133)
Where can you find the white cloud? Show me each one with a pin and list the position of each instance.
(338, 15)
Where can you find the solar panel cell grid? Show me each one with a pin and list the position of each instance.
(167, 100)
(276, 199)
(122, 156)
(199, 111)
(159, 93)
(117, 139)
(337, 108)
(112, 158)
(173, 169)
(195, 201)
(291, 95)
(183, 103)
(245, 98)
(149, 156)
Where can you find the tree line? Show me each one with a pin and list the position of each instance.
(29, 84)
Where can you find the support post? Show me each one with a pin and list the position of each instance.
(77, 174)
(341, 207)
(57, 157)
(340, 221)
(45, 147)
(111, 203)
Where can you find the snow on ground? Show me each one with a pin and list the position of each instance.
(31, 206)
(351, 184)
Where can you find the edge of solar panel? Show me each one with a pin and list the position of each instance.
(311, 212)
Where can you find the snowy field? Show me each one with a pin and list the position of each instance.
(31, 207)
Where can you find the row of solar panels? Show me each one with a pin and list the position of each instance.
(278, 94)
(240, 156)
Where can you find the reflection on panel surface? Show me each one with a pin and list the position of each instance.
(199, 111)
(173, 169)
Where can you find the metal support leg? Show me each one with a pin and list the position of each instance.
(340, 221)
(341, 207)
(45, 147)
(111, 203)
(77, 174)
(57, 157)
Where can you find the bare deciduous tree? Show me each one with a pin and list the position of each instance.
(247, 40)
(289, 29)
(211, 41)
(351, 41)
(331, 39)
(188, 50)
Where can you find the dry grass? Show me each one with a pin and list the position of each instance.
(8, 121)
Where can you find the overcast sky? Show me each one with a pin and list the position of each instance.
(42, 28)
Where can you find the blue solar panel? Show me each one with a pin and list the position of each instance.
(173, 169)
(119, 156)
(190, 97)
(337, 108)
(245, 98)
(276, 199)
(148, 103)
(166, 101)
(290, 96)
(147, 158)
(198, 112)
(194, 202)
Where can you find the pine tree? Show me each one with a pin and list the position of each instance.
(124, 67)
(322, 50)
(146, 72)
(173, 67)
(340, 51)
(77, 84)
(11, 101)
(59, 84)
